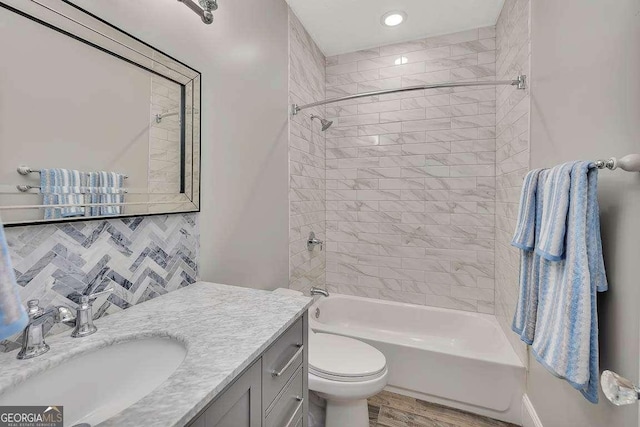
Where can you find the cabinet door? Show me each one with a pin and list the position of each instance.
(238, 406)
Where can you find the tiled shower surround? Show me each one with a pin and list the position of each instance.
(140, 257)
(306, 160)
(164, 138)
(512, 162)
(410, 177)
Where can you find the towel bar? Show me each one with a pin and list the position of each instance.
(25, 188)
(629, 163)
(26, 170)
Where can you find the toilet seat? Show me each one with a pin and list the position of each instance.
(343, 359)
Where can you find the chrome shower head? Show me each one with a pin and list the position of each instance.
(326, 124)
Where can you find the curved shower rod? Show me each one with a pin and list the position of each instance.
(520, 82)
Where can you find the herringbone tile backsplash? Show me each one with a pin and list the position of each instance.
(140, 257)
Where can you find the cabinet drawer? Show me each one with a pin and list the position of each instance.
(288, 408)
(280, 362)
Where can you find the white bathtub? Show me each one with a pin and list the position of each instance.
(451, 357)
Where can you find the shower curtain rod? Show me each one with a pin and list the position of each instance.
(520, 82)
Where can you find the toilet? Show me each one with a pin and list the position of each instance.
(345, 372)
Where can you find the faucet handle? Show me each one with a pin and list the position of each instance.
(84, 316)
(84, 299)
(33, 308)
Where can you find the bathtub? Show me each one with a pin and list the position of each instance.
(455, 358)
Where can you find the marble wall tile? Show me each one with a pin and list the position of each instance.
(164, 138)
(309, 74)
(410, 178)
(512, 156)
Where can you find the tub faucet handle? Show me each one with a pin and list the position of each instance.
(313, 242)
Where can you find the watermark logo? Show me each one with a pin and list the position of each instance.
(31, 416)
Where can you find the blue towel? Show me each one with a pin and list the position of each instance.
(524, 237)
(112, 209)
(526, 234)
(555, 207)
(108, 187)
(62, 187)
(110, 179)
(13, 317)
(570, 271)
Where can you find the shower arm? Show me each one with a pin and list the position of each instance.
(161, 116)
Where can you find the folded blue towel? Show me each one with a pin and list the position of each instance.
(571, 271)
(114, 209)
(77, 200)
(526, 234)
(101, 190)
(13, 317)
(62, 187)
(108, 189)
(551, 244)
(108, 179)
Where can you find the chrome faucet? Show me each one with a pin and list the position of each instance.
(33, 343)
(318, 291)
(84, 315)
(313, 242)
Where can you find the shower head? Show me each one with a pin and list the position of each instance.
(326, 124)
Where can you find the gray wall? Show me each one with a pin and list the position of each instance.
(243, 57)
(586, 105)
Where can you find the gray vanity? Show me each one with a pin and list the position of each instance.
(242, 361)
(272, 392)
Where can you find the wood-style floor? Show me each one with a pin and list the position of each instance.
(393, 410)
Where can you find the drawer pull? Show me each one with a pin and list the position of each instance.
(293, 359)
(295, 412)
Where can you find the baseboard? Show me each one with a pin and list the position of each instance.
(529, 416)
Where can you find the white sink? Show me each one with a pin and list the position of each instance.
(95, 386)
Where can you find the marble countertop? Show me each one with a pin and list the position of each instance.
(224, 328)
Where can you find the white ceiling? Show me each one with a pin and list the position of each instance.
(340, 26)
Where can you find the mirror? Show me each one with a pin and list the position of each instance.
(93, 122)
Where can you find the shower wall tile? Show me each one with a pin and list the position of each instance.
(307, 196)
(164, 138)
(410, 177)
(512, 155)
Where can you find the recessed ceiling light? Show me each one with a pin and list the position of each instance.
(401, 60)
(392, 19)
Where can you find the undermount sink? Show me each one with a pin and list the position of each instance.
(96, 385)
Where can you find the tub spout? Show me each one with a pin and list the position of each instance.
(318, 291)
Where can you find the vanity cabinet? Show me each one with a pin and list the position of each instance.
(238, 406)
(272, 392)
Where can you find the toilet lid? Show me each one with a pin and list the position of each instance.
(344, 359)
